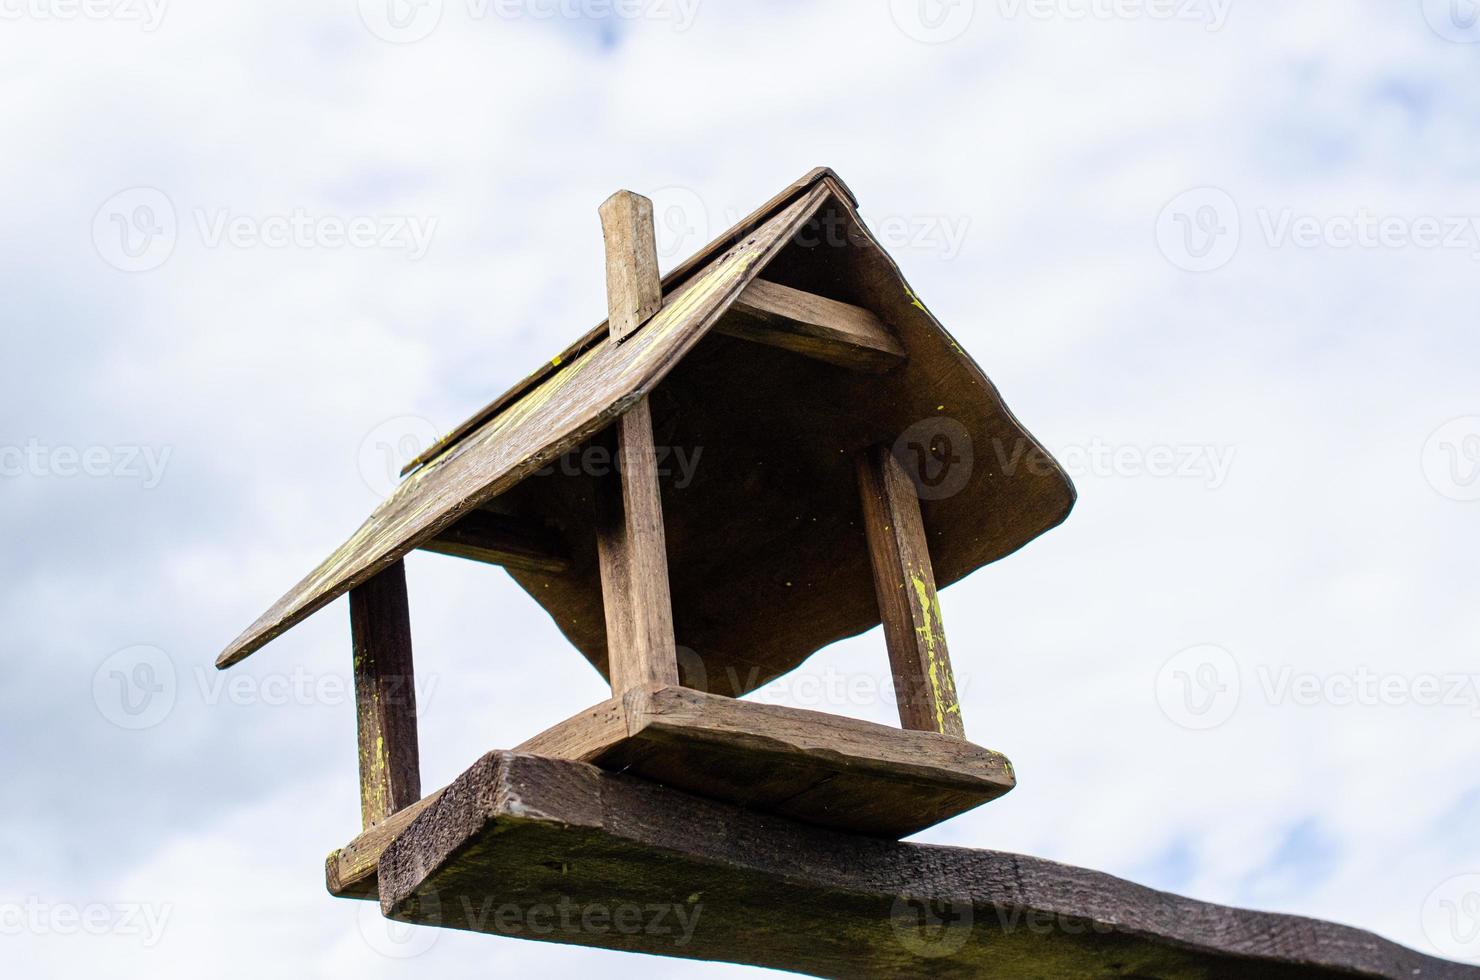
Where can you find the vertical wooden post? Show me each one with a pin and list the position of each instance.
(633, 290)
(904, 583)
(634, 561)
(385, 696)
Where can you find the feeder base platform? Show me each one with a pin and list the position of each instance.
(818, 768)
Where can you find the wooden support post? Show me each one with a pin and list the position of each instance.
(385, 696)
(634, 291)
(634, 561)
(905, 585)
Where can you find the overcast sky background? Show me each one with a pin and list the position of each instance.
(1244, 670)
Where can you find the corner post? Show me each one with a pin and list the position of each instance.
(385, 695)
(904, 583)
(641, 651)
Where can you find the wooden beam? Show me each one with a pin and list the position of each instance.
(904, 583)
(385, 695)
(502, 540)
(350, 871)
(839, 333)
(811, 766)
(556, 851)
(634, 291)
(641, 651)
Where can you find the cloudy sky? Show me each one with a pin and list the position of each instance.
(1219, 255)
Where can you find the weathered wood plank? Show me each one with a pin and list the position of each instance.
(634, 290)
(350, 871)
(640, 647)
(558, 851)
(385, 695)
(904, 583)
(807, 765)
(502, 540)
(805, 323)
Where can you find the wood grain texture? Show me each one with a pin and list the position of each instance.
(634, 561)
(634, 290)
(499, 539)
(529, 837)
(565, 409)
(385, 696)
(814, 326)
(904, 583)
(349, 872)
(807, 765)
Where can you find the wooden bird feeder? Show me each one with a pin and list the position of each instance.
(851, 459)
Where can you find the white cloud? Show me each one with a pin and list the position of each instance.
(1056, 143)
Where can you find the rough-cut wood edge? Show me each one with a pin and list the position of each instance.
(634, 290)
(675, 278)
(385, 695)
(497, 539)
(631, 549)
(772, 728)
(814, 326)
(349, 872)
(660, 835)
(909, 608)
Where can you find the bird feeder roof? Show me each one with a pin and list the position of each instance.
(768, 560)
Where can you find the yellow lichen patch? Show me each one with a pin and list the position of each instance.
(932, 636)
